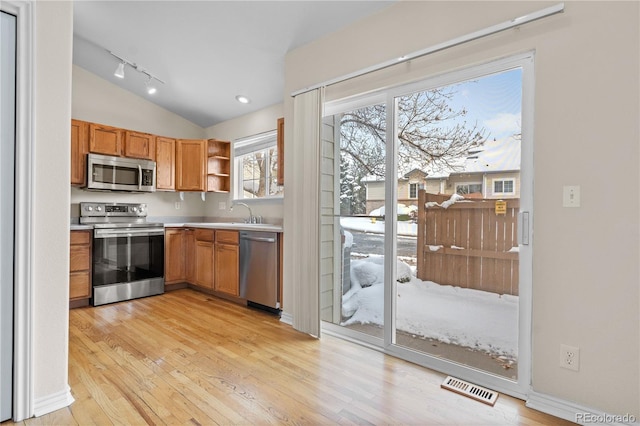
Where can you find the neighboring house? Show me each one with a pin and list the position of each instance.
(490, 171)
(408, 186)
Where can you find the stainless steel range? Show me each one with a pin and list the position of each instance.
(128, 252)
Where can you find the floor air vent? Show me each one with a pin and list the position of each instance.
(469, 389)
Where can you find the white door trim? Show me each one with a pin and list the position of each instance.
(24, 177)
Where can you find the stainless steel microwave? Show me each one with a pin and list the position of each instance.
(105, 172)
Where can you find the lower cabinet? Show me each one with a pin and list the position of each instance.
(227, 262)
(206, 258)
(80, 265)
(174, 255)
(190, 255)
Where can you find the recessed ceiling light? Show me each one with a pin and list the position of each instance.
(242, 99)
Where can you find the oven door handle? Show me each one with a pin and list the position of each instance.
(111, 233)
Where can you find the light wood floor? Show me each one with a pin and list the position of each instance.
(189, 358)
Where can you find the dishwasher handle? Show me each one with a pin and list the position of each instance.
(261, 239)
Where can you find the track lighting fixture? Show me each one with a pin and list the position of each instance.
(149, 84)
(151, 89)
(120, 70)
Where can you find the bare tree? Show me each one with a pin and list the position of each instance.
(432, 135)
(430, 132)
(255, 176)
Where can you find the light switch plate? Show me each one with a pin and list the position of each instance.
(222, 205)
(571, 196)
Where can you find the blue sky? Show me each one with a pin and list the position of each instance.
(494, 101)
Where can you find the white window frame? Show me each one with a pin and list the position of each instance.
(467, 184)
(503, 192)
(251, 144)
(417, 186)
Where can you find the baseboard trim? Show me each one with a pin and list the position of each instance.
(286, 318)
(575, 412)
(50, 403)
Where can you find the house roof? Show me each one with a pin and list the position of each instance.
(494, 156)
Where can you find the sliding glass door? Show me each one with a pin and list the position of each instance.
(423, 189)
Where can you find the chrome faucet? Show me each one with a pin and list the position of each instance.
(252, 218)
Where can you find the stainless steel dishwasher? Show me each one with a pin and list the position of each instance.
(259, 268)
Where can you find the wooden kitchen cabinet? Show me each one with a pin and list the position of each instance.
(280, 147)
(79, 149)
(218, 165)
(191, 164)
(105, 140)
(227, 262)
(204, 258)
(165, 164)
(80, 265)
(190, 255)
(139, 145)
(174, 256)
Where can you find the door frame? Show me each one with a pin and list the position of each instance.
(522, 386)
(23, 212)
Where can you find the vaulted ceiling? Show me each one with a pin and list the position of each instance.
(205, 52)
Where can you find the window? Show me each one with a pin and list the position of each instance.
(256, 167)
(503, 186)
(468, 188)
(413, 190)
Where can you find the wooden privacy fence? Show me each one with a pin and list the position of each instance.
(467, 244)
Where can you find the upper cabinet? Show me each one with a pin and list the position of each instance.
(139, 145)
(218, 165)
(181, 164)
(191, 164)
(79, 149)
(105, 139)
(165, 164)
(280, 146)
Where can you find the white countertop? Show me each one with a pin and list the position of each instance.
(241, 226)
(81, 227)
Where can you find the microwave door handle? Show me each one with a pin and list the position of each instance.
(139, 177)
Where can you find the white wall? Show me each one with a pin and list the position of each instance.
(100, 101)
(251, 124)
(53, 35)
(585, 276)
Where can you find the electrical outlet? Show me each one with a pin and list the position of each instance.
(570, 357)
(177, 205)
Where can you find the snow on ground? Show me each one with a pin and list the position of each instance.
(466, 317)
(376, 226)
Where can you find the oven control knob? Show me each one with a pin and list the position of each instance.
(88, 208)
(99, 208)
(134, 209)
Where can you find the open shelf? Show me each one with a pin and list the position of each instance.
(218, 166)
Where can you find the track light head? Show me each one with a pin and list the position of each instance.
(151, 88)
(120, 70)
